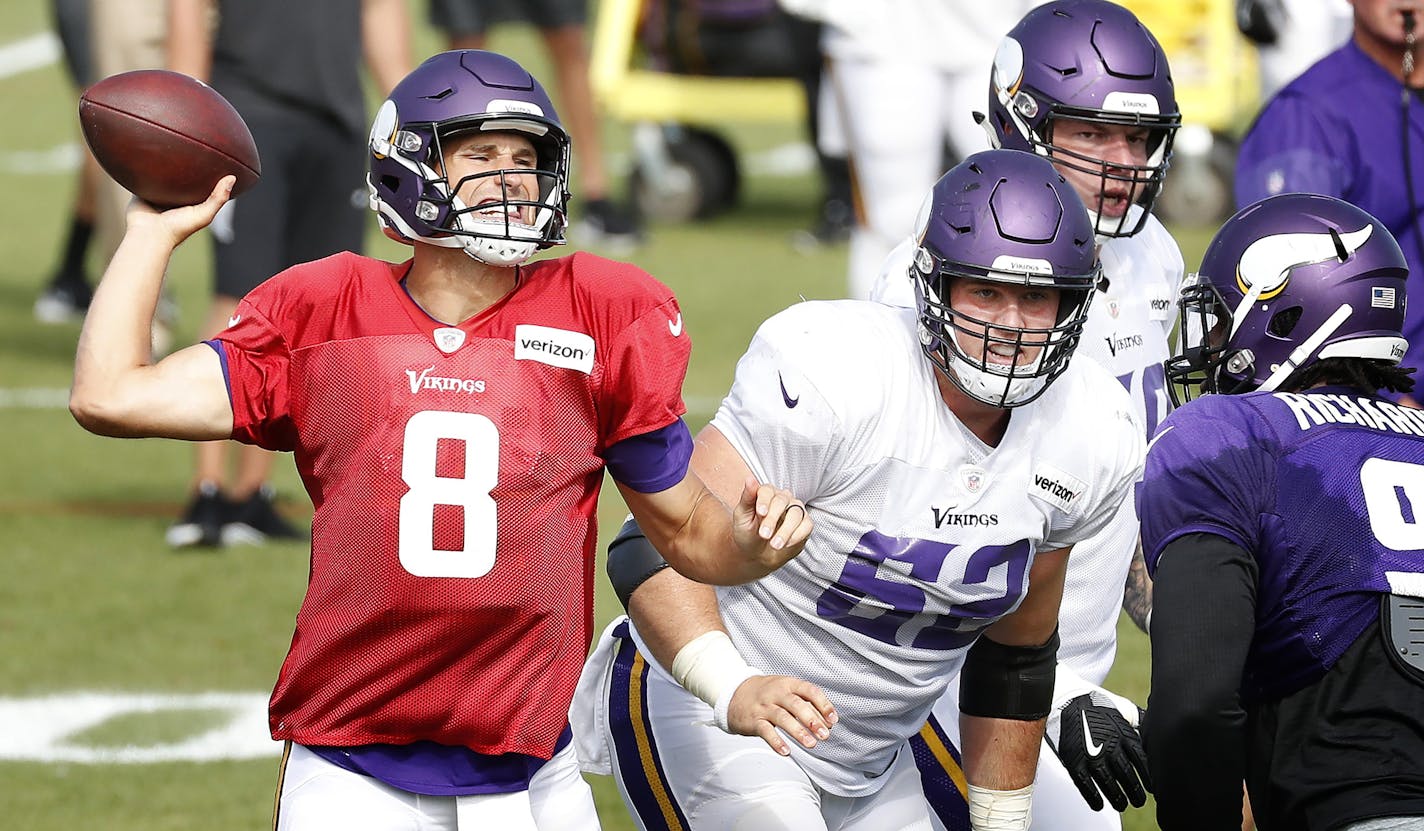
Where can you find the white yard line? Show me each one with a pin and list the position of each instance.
(33, 52)
(62, 158)
(34, 398)
(51, 728)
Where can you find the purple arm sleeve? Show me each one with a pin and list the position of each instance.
(651, 462)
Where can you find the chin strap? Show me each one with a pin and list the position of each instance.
(1307, 348)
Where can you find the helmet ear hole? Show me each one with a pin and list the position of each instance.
(391, 183)
(1283, 323)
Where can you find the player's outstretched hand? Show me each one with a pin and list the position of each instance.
(764, 703)
(1095, 735)
(177, 224)
(771, 525)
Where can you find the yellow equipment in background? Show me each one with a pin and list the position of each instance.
(682, 168)
(1218, 91)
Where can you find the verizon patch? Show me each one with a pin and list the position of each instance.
(556, 347)
(1055, 487)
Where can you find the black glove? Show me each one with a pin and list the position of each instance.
(1101, 749)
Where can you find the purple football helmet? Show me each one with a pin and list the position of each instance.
(1087, 60)
(457, 92)
(1291, 280)
(1002, 216)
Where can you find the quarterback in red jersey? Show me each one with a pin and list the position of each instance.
(451, 417)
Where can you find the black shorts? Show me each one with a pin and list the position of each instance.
(71, 23)
(475, 17)
(311, 201)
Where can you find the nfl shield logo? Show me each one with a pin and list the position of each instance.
(971, 478)
(1113, 308)
(449, 339)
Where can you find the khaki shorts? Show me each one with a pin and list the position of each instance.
(124, 37)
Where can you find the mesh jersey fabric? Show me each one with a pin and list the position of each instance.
(1321, 488)
(455, 473)
(1127, 333)
(921, 538)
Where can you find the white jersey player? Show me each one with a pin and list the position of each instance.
(943, 467)
(1115, 162)
(919, 64)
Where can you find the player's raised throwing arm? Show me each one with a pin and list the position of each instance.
(118, 390)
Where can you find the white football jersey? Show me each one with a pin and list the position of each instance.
(924, 534)
(940, 34)
(1127, 332)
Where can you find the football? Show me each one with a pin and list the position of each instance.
(167, 137)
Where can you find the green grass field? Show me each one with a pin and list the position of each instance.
(108, 639)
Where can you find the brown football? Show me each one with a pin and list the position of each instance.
(166, 137)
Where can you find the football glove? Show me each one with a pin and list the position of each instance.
(1094, 733)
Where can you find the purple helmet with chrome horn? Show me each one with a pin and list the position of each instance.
(1087, 60)
(1291, 280)
(1002, 216)
(456, 92)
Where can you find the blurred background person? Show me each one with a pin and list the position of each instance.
(1290, 35)
(921, 66)
(124, 37)
(293, 70)
(1351, 127)
(66, 294)
(563, 26)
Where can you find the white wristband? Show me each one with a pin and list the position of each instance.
(991, 810)
(711, 668)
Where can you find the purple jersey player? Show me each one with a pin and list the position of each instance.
(1281, 519)
(1352, 126)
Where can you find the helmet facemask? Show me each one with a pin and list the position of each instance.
(494, 232)
(453, 94)
(1205, 365)
(1137, 185)
(959, 344)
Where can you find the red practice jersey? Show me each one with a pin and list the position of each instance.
(455, 473)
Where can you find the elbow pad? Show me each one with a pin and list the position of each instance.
(1009, 682)
(631, 561)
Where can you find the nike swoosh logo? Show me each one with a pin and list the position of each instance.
(786, 396)
(1164, 432)
(232, 321)
(675, 326)
(1093, 747)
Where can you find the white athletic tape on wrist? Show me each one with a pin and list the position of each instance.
(711, 668)
(991, 810)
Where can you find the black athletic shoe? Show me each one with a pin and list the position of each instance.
(604, 223)
(202, 522)
(832, 227)
(255, 520)
(63, 301)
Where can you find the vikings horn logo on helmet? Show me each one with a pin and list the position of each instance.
(1268, 261)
